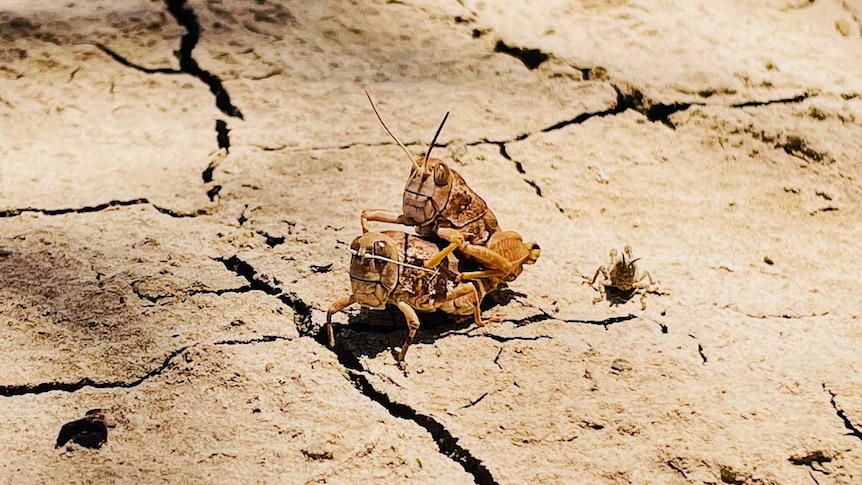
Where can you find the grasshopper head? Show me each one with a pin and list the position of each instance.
(427, 191)
(535, 252)
(373, 269)
(430, 180)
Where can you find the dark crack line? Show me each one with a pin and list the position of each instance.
(69, 210)
(446, 442)
(347, 146)
(475, 401)
(181, 215)
(535, 187)
(245, 270)
(11, 391)
(185, 18)
(223, 141)
(702, 355)
(124, 61)
(495, 337)
(100, 207)
(673, 466)
(271, 241)
(502, 339)
(852, 428)
(497, 358)
(207, 174)
(544, 315)
(764, 316)
(532, 58)
(264, 339)
(654, 111)
(505, 154)
(618, 108)
(793, 145)
(220, 292)
(604, 322)
(222, 135)
(213, 192)
(794, 99)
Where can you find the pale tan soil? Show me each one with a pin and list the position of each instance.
(146, 271)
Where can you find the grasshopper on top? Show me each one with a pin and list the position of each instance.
(439, 203)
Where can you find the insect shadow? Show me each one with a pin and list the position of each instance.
(370, 332)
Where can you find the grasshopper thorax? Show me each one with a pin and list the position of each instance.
(373, 269)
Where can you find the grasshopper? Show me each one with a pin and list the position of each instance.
(621, 279)
(439, 203)
(390, 268)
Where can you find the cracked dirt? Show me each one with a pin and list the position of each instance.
(180, 179)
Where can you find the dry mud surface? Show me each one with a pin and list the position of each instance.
(172, 173)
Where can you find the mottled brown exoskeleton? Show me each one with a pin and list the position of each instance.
(621, 279)
(439, 204)
(389, 268)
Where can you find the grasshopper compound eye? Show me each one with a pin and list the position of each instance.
(442, 175)
(379, 246)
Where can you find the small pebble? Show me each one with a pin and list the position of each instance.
(620, 365)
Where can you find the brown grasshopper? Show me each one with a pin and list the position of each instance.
(438, 202)
(622, 281)
(390, 268)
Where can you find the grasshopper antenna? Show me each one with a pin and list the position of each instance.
(431, 147)
(406, 152)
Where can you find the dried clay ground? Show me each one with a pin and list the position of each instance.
(176, 177)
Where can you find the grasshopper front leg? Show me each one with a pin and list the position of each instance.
(485, 257)
(380, 215)
(412, 325)
(644, 286)
(601, 271)
(601, 288)
(335, 308)
(648, 277)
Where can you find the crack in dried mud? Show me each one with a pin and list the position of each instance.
(702, 355)
(475, 401)
(532, 58)
(185, 18)
(70, 210)
(258, 340)
(446, 442)
(853, 429)
(545, 315)
(247, 271)
(15, 212)
(795, 99)
(25, 389)
(20, 390)
(126, 62)
(786, 316)
(193, 292)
